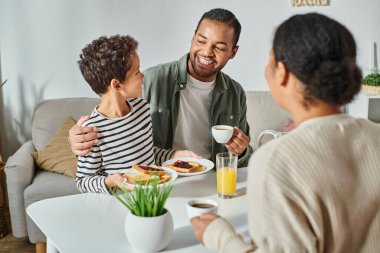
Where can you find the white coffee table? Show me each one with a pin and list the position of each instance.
(95, 222)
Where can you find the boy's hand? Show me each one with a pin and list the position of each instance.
(82, 138)
(185, 153)
(114, 180)
(118, 180)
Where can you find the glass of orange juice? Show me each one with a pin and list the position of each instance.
(226, 173)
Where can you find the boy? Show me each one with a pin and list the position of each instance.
(111, 66)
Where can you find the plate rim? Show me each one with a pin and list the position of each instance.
(190, 158)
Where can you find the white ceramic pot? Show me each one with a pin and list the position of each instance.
(149, 234)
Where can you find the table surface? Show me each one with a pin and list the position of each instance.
(93, 222)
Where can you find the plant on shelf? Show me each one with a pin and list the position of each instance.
(148, 217)
(371, 84)
(372, 79)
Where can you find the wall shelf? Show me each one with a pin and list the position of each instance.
(365, 107)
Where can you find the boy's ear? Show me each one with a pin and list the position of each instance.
(115, 84)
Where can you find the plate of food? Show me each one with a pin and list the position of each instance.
(148, 173)
(187, 166)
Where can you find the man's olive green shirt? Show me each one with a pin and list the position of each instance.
(162, 86)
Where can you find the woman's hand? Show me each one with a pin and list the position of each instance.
(200, 223)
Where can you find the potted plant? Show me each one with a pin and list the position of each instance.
(371, 84)
(3, 205)
(148, 225)
(1, 160)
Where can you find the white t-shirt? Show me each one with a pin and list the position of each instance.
(193, 131)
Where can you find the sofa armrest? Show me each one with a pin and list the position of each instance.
(19, 171)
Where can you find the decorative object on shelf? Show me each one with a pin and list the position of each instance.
(148, 225)
(301, 3)
(365, 106)
(371, 85)
(373, 68)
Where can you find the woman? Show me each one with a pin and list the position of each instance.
(317, 189)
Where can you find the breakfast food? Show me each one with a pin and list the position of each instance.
(186, 167)
(143, 178)
(149, 169)
(134, 177)
(147, 173)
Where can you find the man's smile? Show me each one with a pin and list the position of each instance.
(205, 62)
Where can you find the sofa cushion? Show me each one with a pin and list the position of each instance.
(47, 185)
(57, 156)
(49, 114)
(263, 113)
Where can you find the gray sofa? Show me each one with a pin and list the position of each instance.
(27, 184)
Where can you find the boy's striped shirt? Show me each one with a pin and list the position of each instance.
(124, 141)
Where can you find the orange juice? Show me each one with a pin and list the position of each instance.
(226, 180)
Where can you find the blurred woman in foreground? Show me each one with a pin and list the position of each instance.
(316, 189)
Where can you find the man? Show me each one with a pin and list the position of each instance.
(189, 96)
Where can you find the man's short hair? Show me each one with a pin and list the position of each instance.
(105, 59)
(225, 17)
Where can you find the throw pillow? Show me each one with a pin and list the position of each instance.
(57, 156)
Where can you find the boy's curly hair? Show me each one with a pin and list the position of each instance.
(105, 59)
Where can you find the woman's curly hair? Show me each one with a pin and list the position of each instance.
(105, 59)
(322, 54)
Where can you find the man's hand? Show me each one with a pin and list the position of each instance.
(238, 142)
(200, 223)
(185, 153)
(82, 138)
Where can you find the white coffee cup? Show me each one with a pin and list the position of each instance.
(222, 133)
(196, 207)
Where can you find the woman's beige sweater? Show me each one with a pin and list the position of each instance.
(316, 189)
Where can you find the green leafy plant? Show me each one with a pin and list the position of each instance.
(145, 200)
(372, 80)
